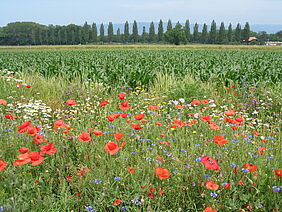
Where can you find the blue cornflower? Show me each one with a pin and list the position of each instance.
(207, 176)
(198, 159)
(97, 181)
(1, 208)
(197, 144)
(214, 194)
(183, 150)
(233, 165)
(245, 170)
(123, 208)
(275, 188)
(117, 178)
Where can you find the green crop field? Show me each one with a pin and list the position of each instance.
(140, 128)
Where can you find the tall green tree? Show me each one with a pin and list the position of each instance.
(144, 36)
(102, 33)
(196, 33)
(230, 33)
(126, 32)
(204, 36)
(85, 33)
(110, 32)
(213, 33)
(135, 32)
(246, 32)
(187, 31)
(237, 33)
(160, 31)
(118, 39)
(169, 25)
(152, 33)
(94, 33)
(222, 34)
(176, 35)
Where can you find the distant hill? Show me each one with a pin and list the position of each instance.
(270, 28)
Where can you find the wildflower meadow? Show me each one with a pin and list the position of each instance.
(80, 132)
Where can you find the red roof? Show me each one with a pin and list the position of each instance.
(252, 38)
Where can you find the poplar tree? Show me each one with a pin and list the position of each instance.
(213, 33)
(126, 32)
(196, 33)
(160, 31)
(187, 31)
(135, 32)
(110, 32)
(169, 25)
(144, 35)
(246, 32)
(229, 33)
(102, 33)
(94, 33)
(221, 34)
(237, 33)
(152, 32)
(118, 35)
(204, 36)
(85, 33)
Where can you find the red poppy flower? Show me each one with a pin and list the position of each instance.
(210, 163)
(23, 150)
(70, 102)
(204, 102)
(28, 86)
(117, 202)
(164, 142)
(24, 126)
(251, 167)
(136, 126)
(195, 102)
(2, 165)
(278, 172)
(124, 105)
(214, 126)
(39, 138)
(229, 113)
(22, 159)
(59, 124)
(48, 149)
(10, 116)
(209, 209)
(162, 173)
(113, 148)
(3, 102)
(159, 124)
(261, 150)
(103, 103)
(36, 158)
(139, 116)
(31, 130)
(124, 115)
(211, 185)
(219, 140)
(150, 194)
(121, 95)
(118, 136)
(239, 119)
(98, 132)
(179, 106)
(206, 118)
(130, 170)
(151, 107)
(84, 137)
(111, 117)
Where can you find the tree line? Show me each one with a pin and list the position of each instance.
(30, 33)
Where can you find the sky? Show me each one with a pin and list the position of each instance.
(63, 12)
